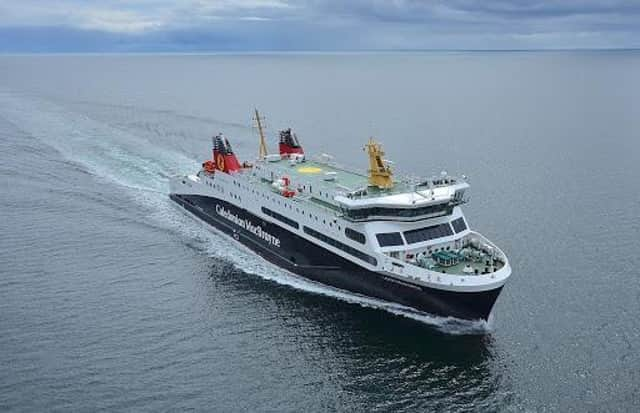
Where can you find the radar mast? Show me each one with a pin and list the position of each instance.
(263, 146)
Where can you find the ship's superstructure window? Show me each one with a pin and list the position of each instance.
(388, 239)
(427, 233)
(349, 250)
(458, 225)
(280, 218)
(364, 213)
(355, 235)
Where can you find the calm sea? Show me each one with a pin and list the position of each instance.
(112, 299)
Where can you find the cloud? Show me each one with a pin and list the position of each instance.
(136, 15)
(329, 24)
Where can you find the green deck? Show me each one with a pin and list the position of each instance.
(315, 173)
(312, 171)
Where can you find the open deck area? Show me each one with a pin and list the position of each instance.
(474, 260)
(320, 173)
(330, 177)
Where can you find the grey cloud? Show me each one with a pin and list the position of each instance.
(337, 24)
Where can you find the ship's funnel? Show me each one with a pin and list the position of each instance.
(223, 155)
(289, 143)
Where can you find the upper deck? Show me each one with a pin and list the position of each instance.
(356, 195)
(349, 191)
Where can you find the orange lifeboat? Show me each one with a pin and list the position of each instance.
(209, 166)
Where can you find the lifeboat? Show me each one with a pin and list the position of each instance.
(282, 186)
(209, 166)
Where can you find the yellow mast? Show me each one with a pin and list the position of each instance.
(263, 145)
(379, 173)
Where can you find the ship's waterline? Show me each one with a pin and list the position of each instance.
(113, 298)
(369, 234)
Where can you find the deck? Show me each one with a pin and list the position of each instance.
(317, 174)
(459, 268)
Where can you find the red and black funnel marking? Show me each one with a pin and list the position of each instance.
(289, 143)
(223, 156)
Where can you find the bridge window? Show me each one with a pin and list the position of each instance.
(428, 233)
(364, 213)
(458, 225)
(388, 239)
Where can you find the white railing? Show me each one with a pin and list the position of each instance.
(413, 271)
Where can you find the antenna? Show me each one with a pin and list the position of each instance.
(263, 145)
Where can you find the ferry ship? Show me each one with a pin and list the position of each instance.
(405, 241)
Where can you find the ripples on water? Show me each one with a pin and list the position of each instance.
(112, 298)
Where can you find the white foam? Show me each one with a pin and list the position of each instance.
(141, 168)
(247, 261)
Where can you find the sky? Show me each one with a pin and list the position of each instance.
(316, 25)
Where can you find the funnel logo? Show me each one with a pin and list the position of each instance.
(220, 162)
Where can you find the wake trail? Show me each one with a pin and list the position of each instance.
(143, 167)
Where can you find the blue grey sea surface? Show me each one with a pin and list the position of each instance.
(112, 299)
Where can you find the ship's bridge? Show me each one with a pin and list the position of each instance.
(349, 193)
(407, 201)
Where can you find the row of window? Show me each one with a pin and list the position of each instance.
(384, 239)
(280, 218)
(277, 199)
(363, 213)
(212, 185)
(427, 233)
(459, 225)
(389, 239)
(355, 235)
(349, 250)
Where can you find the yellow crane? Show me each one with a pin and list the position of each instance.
(380, 175)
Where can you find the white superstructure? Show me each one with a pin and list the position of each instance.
(413, 234)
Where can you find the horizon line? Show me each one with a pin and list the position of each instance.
(319, 51)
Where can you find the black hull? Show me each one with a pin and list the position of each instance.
(309, 260)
